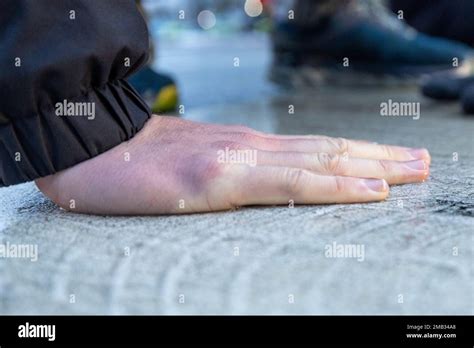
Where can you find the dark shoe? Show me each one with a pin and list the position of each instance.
(376, 43)
(440, 18)
(446, 85)
(158, 90)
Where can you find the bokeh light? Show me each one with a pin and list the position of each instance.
(253, 8)
(206, 19)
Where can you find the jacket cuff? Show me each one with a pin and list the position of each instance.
(67, 132)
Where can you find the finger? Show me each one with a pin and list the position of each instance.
(335, 146)
(393, 172)
(230, 130)
(278, 185)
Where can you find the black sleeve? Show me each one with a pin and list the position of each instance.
(63, 97)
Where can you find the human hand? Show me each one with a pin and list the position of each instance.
(178, 166)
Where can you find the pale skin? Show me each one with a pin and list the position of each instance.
(172, 166)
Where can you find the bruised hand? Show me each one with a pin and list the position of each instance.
(178, 166)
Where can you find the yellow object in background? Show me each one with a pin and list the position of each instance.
(166, 100)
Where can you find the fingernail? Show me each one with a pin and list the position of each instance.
(376, 185)
(416, 165)
(419, 153)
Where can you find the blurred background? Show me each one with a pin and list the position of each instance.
(217, 55)
(200, 54)
(221, 51)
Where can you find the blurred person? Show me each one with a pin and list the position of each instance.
(70, 121)
(354, 41)
(159, 90)
(451, 19)
(450, 86)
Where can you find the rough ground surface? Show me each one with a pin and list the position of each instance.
(410, 240)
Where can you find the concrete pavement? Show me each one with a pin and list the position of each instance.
(418, 245)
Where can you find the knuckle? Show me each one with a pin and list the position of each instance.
(339, 184)
(329, 163)
(216, 183)
(196, 172)
(293, 180)
(340, 145)
(384, 165)
(388, 151)
(211, 168)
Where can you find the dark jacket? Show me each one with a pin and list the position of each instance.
(63, 94)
